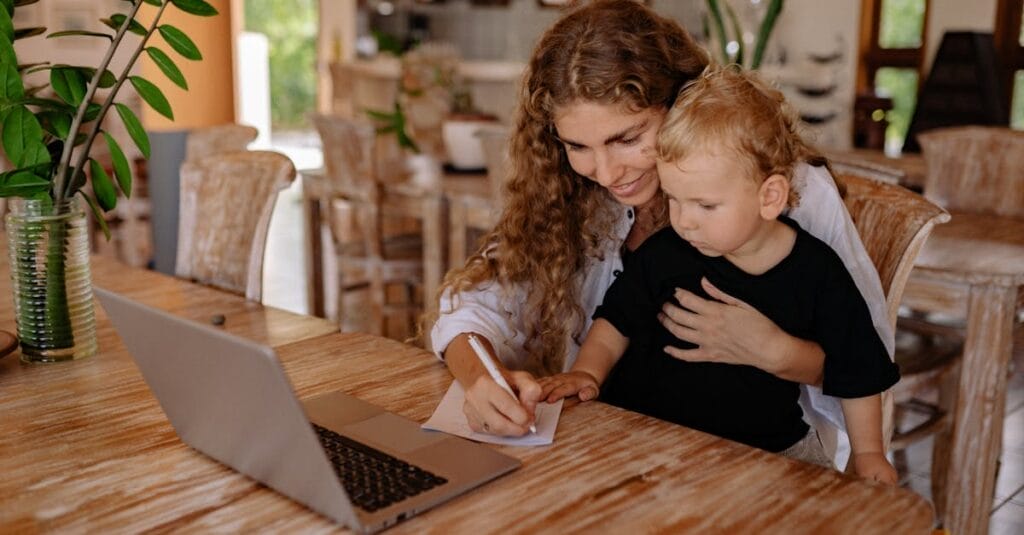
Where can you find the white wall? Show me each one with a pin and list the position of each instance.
(956, 15)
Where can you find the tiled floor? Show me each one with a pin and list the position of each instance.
(1008, 505)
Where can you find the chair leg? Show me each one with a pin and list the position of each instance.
(941, 445)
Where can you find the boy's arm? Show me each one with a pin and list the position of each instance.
(864, 425)
(601, 349)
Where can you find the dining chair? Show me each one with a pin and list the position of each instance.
(972, 169)
(893, 223)
(225, 207)
(472, 215)
(202, 142)
(373, 252)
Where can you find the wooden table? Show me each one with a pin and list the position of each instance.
(912, 165)
(85, 448)
(973, 266)
(456, 188)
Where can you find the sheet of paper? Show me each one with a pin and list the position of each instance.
(448, 417)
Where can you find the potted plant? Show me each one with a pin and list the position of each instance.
(47, 132)
(730, 42)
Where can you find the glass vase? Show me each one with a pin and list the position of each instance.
(50, 279)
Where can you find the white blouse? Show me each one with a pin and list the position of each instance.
(493, 310)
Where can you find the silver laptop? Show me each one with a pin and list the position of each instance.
(351, 461)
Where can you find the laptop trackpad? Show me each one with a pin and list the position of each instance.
(392, 432)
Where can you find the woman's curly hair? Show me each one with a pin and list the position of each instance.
(615, 52)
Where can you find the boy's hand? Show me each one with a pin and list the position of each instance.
(874, 466)
(567, 384)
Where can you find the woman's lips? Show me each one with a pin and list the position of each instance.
(626, 190)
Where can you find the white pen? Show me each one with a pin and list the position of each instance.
(492, 370)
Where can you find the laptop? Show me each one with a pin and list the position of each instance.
(347, 459)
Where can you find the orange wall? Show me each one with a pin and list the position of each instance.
(210, 97)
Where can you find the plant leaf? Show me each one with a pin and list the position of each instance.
(97, 214)
(6, 24)
(107, 79)
(67, 33)
(22, 183)
(152, 95)
(69, 84)
(180, 42)
(195, 7)
(8, 6)
(765, 31)
(56, 123)
(167, 66)
(92, 111)
(22, 138)
(10, 83)
(156, 3)
(122, 171)
(24, 33)
(102, 187)
(134, 128)
(117, 20)
(7, 54)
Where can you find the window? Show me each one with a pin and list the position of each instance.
(892, 47)
(1009, 37)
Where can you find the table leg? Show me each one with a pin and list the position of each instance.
(975, 437)
(433, 250)
(314, 255)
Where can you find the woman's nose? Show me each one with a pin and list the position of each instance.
(606, 168)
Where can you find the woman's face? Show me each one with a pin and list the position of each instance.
(613, 147)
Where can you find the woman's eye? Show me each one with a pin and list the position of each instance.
(706, 206)
(630, 141)
(569, 147)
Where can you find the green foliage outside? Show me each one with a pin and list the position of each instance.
(901, 26)
(901, 86)
(902, 23)
(291, 28)
(1017, 108)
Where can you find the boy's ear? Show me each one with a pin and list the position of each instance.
(774, 196)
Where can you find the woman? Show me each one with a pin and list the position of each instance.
(584, 190)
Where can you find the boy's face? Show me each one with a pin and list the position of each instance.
(713, 202)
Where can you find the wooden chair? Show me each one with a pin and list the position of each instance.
(217, 139)
(224, 215)
(370, 253)
(471, 215)
(970, 169)
(893, 223)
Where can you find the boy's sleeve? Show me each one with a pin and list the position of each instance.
(627, 304)
(856, 361)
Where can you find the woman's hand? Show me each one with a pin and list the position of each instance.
(490, 409)
(874, 467)
(563, 385)
(730, 331)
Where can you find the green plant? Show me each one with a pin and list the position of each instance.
(48, 139)
(394, 122)
(47, 132)
(735, 33)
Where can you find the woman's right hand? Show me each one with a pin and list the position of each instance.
(573, 383)
(490, 409)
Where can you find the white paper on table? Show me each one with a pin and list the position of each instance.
(448, 417)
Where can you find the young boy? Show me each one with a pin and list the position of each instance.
(726, 155)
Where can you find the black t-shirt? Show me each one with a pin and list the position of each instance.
(809, 294)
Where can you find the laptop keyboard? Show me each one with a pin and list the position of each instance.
(372, 478)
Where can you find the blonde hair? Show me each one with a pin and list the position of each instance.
(615, 52)
(730, 109)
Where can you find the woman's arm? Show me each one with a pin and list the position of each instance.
(731, 331)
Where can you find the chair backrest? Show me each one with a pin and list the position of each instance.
(494, 141)
(866, 169)
(224, 215)
(203, 142)
(893, 223)
(349, 148)
(975, 169)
